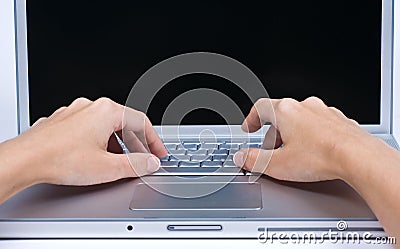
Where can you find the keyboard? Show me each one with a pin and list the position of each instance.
(202, 158)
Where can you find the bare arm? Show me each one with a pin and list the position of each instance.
(72, 147)
(321, 143)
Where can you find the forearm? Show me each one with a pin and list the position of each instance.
(18, 168)
(373, 169)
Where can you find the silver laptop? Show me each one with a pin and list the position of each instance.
(341, 52)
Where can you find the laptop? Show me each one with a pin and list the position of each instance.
(340, 52)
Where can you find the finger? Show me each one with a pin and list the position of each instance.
(261, 161)
(261, 113)
(39, 121)
(128, 119)
(272, 139)
(254, 160)
(133, 143)
(135, 164)
(138, 123)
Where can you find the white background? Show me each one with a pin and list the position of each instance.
(396, 74)
(8, 129)
(8, 96)
(175, 244)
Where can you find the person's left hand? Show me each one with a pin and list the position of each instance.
(72, 146)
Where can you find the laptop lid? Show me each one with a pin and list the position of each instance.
(340, 52)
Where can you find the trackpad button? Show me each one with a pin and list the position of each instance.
(234, 196)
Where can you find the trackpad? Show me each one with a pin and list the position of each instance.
(233, 196)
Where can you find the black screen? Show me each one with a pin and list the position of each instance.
(329, 49)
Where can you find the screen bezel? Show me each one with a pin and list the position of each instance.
(386, 69)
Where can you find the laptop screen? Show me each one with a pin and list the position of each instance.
(329, 49)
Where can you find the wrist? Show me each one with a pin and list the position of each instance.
(358, 156)
(23, 160)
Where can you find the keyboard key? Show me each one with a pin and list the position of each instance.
(199, 171)
(171, 146)
(229, 146)
(243, 146)
(179, 158)
(201, 158)
(188, 146)
(211, 164)
(208, 146)
(169, 164)
(189, 164)
(229, 158)
(236, 142)
(218, 152)
(219, 157)
(188, 170)
(177, 152)
(164, 159)
(229, 164)
(198, 152)
(233, 151)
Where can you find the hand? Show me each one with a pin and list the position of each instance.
(315, 139)
(70, 146)
(321, 143)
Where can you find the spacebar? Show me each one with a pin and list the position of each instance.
(197, 171)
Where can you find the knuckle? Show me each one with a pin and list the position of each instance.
(141, 120)
(60, 109)
(261, 106)
(313, 101)
(354, 122)
(261, 101)
(39, 121)
(287, 104)
(80, 101)
(335, 109)
(104, 102)
(142, 116)
(58, 112)
(289, 101)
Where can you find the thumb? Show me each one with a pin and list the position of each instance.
(254, 160)
(137, 164)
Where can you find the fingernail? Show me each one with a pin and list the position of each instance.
(238, 158)
(153, 164)
(244, 126)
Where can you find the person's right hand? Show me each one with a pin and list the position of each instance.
(321, 143)
(316, 140)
